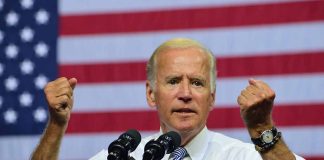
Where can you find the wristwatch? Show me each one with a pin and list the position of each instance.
(267, 140)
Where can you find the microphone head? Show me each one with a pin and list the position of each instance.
(166, 143)
(136, 136)
(175, 140)
(126, 143)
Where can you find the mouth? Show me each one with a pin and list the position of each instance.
(184, 111)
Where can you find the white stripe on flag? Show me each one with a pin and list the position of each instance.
(226, 42)
(73, 7)
(290, 89)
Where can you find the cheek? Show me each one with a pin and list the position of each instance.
(205, 101)
(166, 93)
(163, 100)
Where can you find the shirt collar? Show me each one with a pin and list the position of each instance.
(197, 147)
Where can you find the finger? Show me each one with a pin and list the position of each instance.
(58, 83)
(257, 92)
(246, 97)
(252, 89)
(252, 81)
(62, 82)
(265, 88)
(57, 102)
(64, 91)
(62, 102)
(247, 94)
(252, 96)
(58, 90)
(241, 101)
(73, 82)
(256, 83)
(257, 88)
(65, 84)
(262, 86)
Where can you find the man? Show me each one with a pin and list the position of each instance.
(181, 87)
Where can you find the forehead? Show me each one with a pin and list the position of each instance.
(190, 59)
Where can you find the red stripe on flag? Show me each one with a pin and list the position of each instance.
(290, 115)
(113, 121)
(227, 67)
(314, 158)
(225, 16)
(107, 72)
(285, 63)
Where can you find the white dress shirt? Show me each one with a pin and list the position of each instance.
(207, 145)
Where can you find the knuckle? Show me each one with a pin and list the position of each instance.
(48, 86)
(272, 93)
(52, 104)
(46, 90)
(48, 97)
(64, 98)
(242, 92)
(250, 103)
(64, 90)
(67, 91)
(62, 79)
(238, 100)
(262, 95)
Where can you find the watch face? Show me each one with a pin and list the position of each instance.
(267, 136)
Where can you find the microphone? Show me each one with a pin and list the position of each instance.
(125, 144)
(166, 143)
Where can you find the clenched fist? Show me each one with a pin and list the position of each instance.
(256, 102)
(59, 96)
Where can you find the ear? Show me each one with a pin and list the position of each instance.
(212, 101)
(150, 97)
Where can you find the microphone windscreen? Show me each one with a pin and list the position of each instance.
(176, 138)
(136, 135)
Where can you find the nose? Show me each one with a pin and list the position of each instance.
(185, 92)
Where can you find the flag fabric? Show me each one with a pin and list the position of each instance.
(106, 44)
(28, 41)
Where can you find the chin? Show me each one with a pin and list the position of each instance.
(185, 127)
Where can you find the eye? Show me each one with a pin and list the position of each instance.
(197, 83)
(173, 81)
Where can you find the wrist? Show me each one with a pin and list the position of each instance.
(256, 129)
(56, 125)
(59, 119)
(266, 140)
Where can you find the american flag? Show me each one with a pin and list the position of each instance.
(105, 45)
(28, 40)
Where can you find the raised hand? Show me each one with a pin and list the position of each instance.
(256, 102)
(59, 96)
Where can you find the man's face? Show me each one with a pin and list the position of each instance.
(182, 92)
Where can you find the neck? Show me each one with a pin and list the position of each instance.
(186, 136)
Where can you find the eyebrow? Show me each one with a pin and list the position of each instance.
(190, 77)
(197, 77)
(173, 76)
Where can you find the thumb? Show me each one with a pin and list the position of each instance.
(252, 81)
(73, 82)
